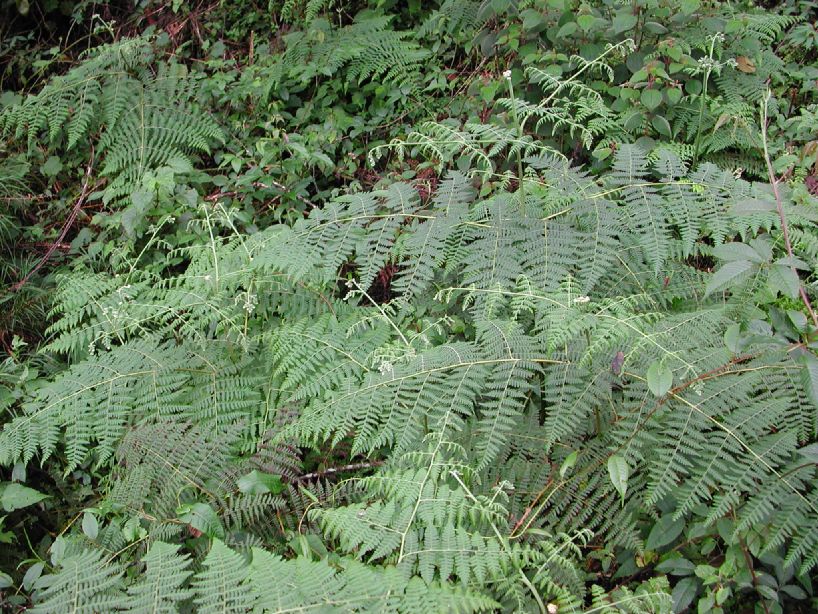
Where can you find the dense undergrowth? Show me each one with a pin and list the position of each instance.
(349, 306)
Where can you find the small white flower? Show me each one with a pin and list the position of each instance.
(552, 608)
(507, 74)
(581, 300)
(386, 367)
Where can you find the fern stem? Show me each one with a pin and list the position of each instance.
(520, 135)
(705, 81)
(532, 589)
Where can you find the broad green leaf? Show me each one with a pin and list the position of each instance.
(794, 591)
(651, 98)
(203, 518)
(732, 336)
(676, 565)
(684, 593)
(90, 526)
(793, 262)
(624, 21)
(634, 120)
(569, 462)
(33, 574)
(674, 95)
(567, 29)
(750, 206)
(784, 280)
(654, 27)
(736, 251)
(661, 125)
(619, 472)
(586, 22)
(664, 532)
(16, 496)
(660, 379)
(688, 7)
(730, 272)
(798, 319)
(259, 483)
(532, 19)
(52, 167)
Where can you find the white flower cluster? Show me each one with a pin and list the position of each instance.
(249, 300)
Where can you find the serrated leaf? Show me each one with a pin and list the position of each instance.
(619, 471)
(660, 379)
(203, 518)
(661, 125)
(651, 98)
(259, 483)
(664, 532)
(90, 526)
(798, 319)
(737, 251)
(569, 462)
(625, 20)
(784, 280)
(684, 593)
(16, 496)
(567, 29)
(688, 7)
(728, 273)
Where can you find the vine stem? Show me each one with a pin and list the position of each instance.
(780, 207)
(64, 231)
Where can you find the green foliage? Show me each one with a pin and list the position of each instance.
(144, 121)
(228, 582)
(552, 350)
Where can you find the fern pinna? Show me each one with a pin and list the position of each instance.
(529, 347)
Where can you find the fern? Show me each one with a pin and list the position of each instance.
(144, 121)
(85, 582)
(365, 50)
(524, 329)
(162, 587)
(229, 582)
